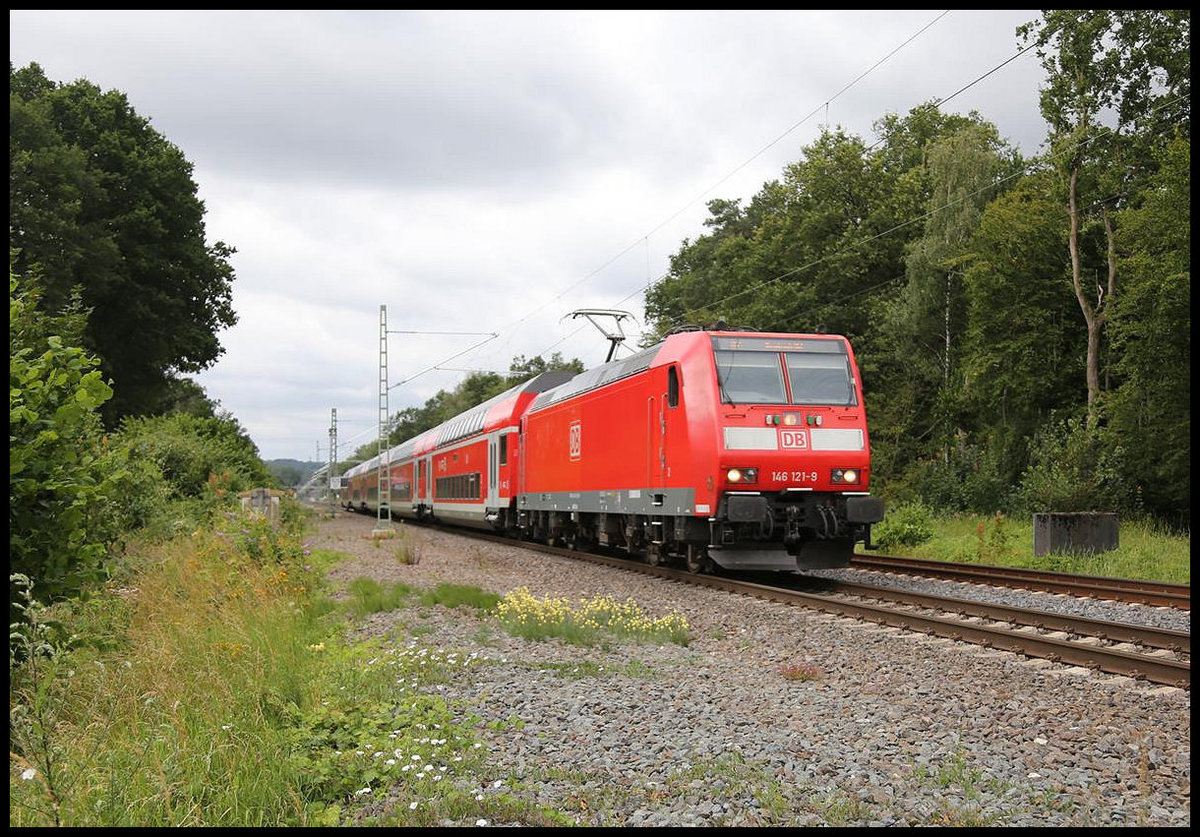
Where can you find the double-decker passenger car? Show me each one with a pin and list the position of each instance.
(463, 470)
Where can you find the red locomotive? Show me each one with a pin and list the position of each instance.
(749, 450)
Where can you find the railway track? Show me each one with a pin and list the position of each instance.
(1151, 654)
(1156, 593)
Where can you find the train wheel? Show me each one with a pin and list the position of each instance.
(697, 560)
(654, 554)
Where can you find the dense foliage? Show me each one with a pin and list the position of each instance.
(100, 201)
(1023, 326)
(74, 490)
(113, 292)
(58, 481)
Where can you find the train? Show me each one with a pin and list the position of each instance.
(713, 448)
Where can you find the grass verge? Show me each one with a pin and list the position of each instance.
(215, 686)
(1147, 551)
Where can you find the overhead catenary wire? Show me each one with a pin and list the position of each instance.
(691, 202)
(644, 238)
(937, 103)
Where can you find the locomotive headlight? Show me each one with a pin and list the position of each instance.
(791, 419)
(846, 476)
(742, 475)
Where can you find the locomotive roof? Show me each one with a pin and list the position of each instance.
(474, 419)
(598, 376)
(616, 370)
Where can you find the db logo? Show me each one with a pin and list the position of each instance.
(576, 439)
(794, 439)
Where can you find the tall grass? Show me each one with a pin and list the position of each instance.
(218, 686)
(175, 726)
(215, 690)
(1147, 550)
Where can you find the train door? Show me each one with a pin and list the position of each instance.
(493, 465)
(521, 485)
(655, 439)
(669, 428)
(508, 456)
(423, 482)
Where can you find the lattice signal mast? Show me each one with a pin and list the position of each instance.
(332, 472)
(383, 506)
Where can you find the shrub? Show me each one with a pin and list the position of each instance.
(188, 449)
(59, 476)
(1075, 467)
(910, 524)
(972, 478)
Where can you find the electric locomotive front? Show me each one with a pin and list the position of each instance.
(794, 459)
(748, 450)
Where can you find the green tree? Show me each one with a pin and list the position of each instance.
(521, 369)
(919, 345)
(1151, 330)
(100, 200)
(1021, 360)
(1131, 67)
(817, 249)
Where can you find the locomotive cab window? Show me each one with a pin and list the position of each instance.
(750, 377)
(820, 379)
(672, 387)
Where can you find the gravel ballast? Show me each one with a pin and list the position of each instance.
(894, 728)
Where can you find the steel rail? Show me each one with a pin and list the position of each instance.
(1157, 593)
(1178, 641)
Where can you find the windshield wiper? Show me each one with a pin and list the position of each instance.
(725, 396)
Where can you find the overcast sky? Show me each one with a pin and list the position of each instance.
(488, 171)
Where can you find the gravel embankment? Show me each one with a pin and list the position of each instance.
(1167, 618)
(896, 729)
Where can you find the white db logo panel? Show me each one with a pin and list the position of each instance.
(793, 439)
(576, 440)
